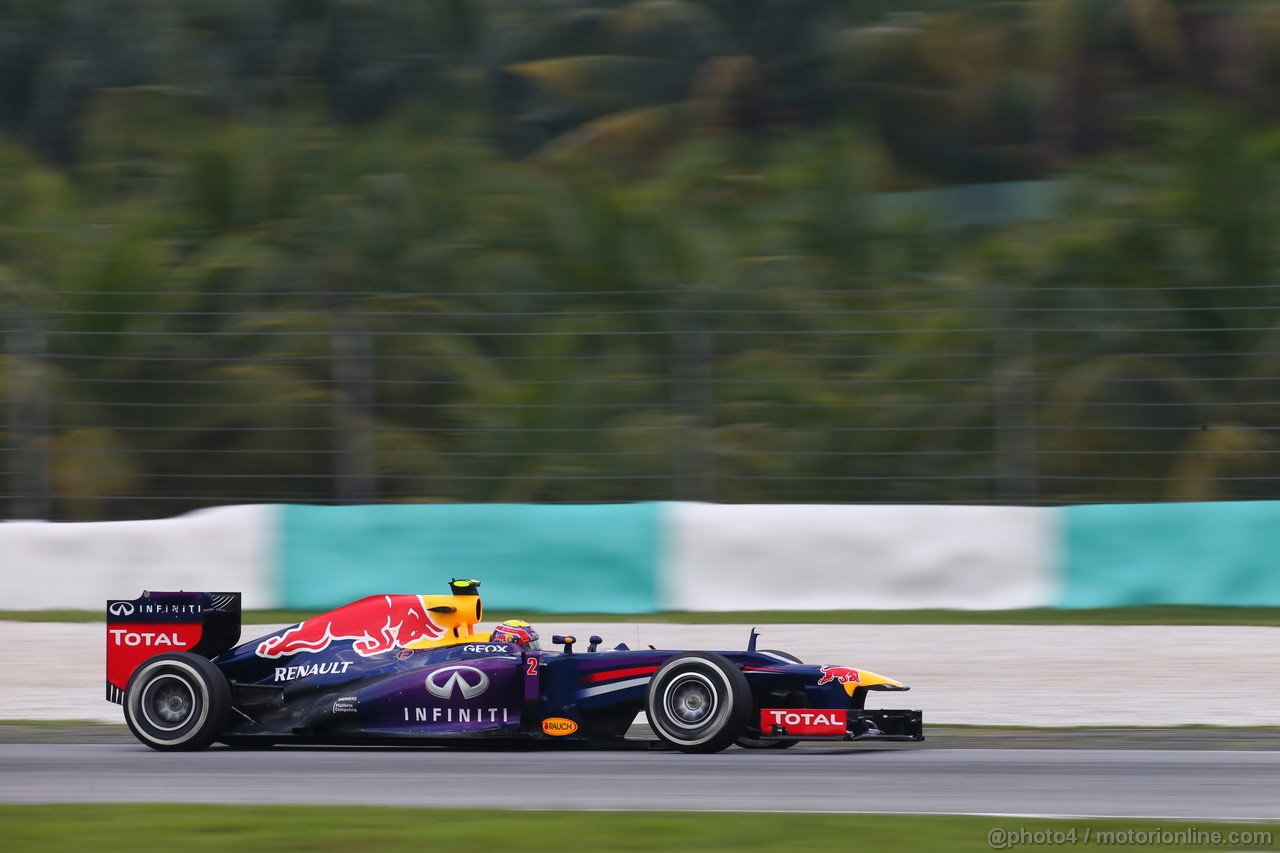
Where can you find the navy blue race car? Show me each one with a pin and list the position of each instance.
(414, 668)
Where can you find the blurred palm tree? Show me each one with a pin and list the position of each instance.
(632, 78)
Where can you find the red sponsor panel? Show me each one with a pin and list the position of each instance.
(376, 624)
(131, 643)
(804, 722)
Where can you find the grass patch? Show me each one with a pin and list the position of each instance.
(284, 828)
(1146, 615)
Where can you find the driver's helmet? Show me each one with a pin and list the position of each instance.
(519, 632)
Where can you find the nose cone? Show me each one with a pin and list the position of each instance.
(874, 681)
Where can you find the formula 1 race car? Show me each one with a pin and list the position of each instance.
(413, 668)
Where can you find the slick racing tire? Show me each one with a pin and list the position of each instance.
(698, 702)
(177, 701)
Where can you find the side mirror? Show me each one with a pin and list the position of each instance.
(596, 640)
(565, 640)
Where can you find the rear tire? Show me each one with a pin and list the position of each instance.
(177, 701)
(698, 702)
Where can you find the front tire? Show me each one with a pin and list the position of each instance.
(177, 701)
(698, 702)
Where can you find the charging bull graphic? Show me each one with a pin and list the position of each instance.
(840, 675)
(376, 624)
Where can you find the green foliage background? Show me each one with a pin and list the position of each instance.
(599, 251)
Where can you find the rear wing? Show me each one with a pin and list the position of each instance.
(205, 623)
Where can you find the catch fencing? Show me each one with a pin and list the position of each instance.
(145, 404)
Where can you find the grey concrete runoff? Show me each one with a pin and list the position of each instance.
(1116, 677)
(1021, 675)
(1161, 784)
(939, 737)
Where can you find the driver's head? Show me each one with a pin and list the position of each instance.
(517, 631)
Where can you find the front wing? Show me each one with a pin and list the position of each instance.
(787, 724)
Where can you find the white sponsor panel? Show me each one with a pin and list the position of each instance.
(837, 557)
(48, 565)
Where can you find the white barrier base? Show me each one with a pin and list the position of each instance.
(53, 566)
(837, 557)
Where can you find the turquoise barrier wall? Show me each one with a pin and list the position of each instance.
(606, 558)
(598, 558)
(1190, 553)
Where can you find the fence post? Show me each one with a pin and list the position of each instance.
(355, 468)
(1015, 402)
(28, 389)
(693, 396)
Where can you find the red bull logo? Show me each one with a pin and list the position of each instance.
(840, 675)
(376, 624)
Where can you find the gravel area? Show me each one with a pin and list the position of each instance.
(1023, 675)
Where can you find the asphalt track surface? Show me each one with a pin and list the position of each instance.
(1163, 784)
